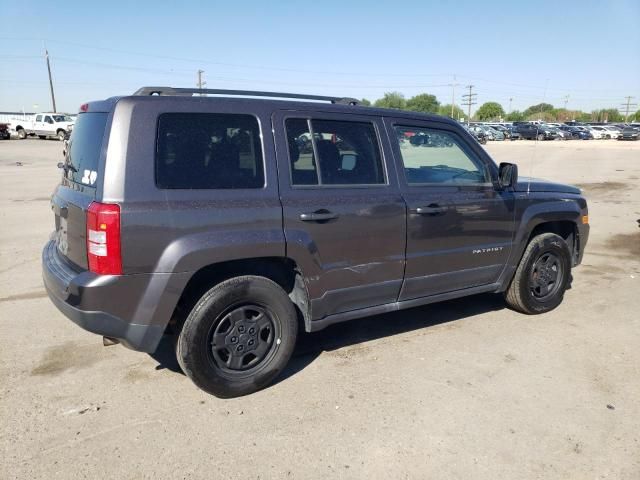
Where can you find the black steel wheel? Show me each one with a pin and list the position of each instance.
(238, 337)
(542, 276)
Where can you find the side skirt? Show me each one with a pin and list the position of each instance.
(317, 325)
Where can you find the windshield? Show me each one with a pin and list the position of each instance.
(62, 118)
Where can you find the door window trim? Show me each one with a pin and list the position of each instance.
(310, 117)
(464, 146)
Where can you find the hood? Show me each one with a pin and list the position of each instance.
(539, 185)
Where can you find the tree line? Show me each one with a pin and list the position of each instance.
(493, 111)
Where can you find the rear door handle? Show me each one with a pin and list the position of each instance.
(431, 209)
(321, 216)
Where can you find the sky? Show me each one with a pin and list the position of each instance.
(515, 53)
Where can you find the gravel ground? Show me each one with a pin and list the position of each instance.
(463, 389)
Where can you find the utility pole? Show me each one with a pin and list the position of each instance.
(200, 82)
(627, 106)
(453, 94)
(53, 97)
(566, 101)
(510, 100)
(468, 100)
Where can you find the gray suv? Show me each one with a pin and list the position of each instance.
(233, 219)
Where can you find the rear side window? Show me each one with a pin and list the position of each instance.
(84, 148)
(208, 151)
(347, 153)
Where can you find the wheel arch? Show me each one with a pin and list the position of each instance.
(281, 270)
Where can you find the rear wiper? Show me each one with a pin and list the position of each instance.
(66, 167)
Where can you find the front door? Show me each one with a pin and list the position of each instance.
(344, 216)
(459, 225)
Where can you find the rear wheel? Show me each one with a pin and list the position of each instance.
(61, 134)
(542, 276)
(22, 134)
(540, 137)
(238, 337)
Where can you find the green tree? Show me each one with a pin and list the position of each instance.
(365, 103)
(424, 102)
(539, 108)
(490, 111)
(515, 116)
(608, 115)
(445, 110)
(392, 100)
(546, 116)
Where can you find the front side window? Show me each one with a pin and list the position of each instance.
(208, 151)
(438, 157)
(330, 152)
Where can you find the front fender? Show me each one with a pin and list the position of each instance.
(536, 211)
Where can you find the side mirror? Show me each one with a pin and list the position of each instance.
(507, 175)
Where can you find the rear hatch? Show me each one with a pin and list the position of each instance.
(77, 189)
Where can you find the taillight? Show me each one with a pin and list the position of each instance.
(103, 239)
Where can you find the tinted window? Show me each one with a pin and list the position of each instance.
(436, 156)
(85, 145)
(208, 150)
(303, 162)
(347, 153)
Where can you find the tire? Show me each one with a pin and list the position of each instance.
(540, 137)
(22, 134)
(61, 134)
(227, 314)
(525, 293)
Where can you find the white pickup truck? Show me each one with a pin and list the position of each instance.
(43, 125)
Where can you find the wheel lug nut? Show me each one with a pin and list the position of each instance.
(240, 348)
(252, 330)
(241, 329)
(234, 339)
(250, 342)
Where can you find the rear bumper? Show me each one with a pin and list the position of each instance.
(134, 309)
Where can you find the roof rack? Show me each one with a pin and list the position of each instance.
(188, 92)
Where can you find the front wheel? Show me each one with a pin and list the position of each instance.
(61, 134)
(540, 137)
(238, 337)
(542, 276)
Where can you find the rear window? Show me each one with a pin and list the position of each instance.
(84, 148)
(208, 151)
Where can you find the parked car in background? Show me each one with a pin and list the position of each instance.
(597, 134)
(4, 131)
(480, 136)
(487, 133)
(578, 133)
(629, 133)
(504, 130)
(44, 125)
(513, 131)
(606, 132)
(498, 135)
(537, 132)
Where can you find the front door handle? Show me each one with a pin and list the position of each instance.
(431, 209)
(319, 216)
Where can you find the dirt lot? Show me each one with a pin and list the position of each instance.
(464, 389)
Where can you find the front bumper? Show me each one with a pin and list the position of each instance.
(134, 309)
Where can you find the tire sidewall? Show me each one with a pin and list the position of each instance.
(193, 343)
(545, 244)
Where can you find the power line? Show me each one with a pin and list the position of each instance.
(627, 106)
(469, 99)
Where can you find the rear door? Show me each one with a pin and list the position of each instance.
(344, 216)
(77, 188)
(459, 227)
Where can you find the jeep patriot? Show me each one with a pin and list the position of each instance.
(231, 220)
